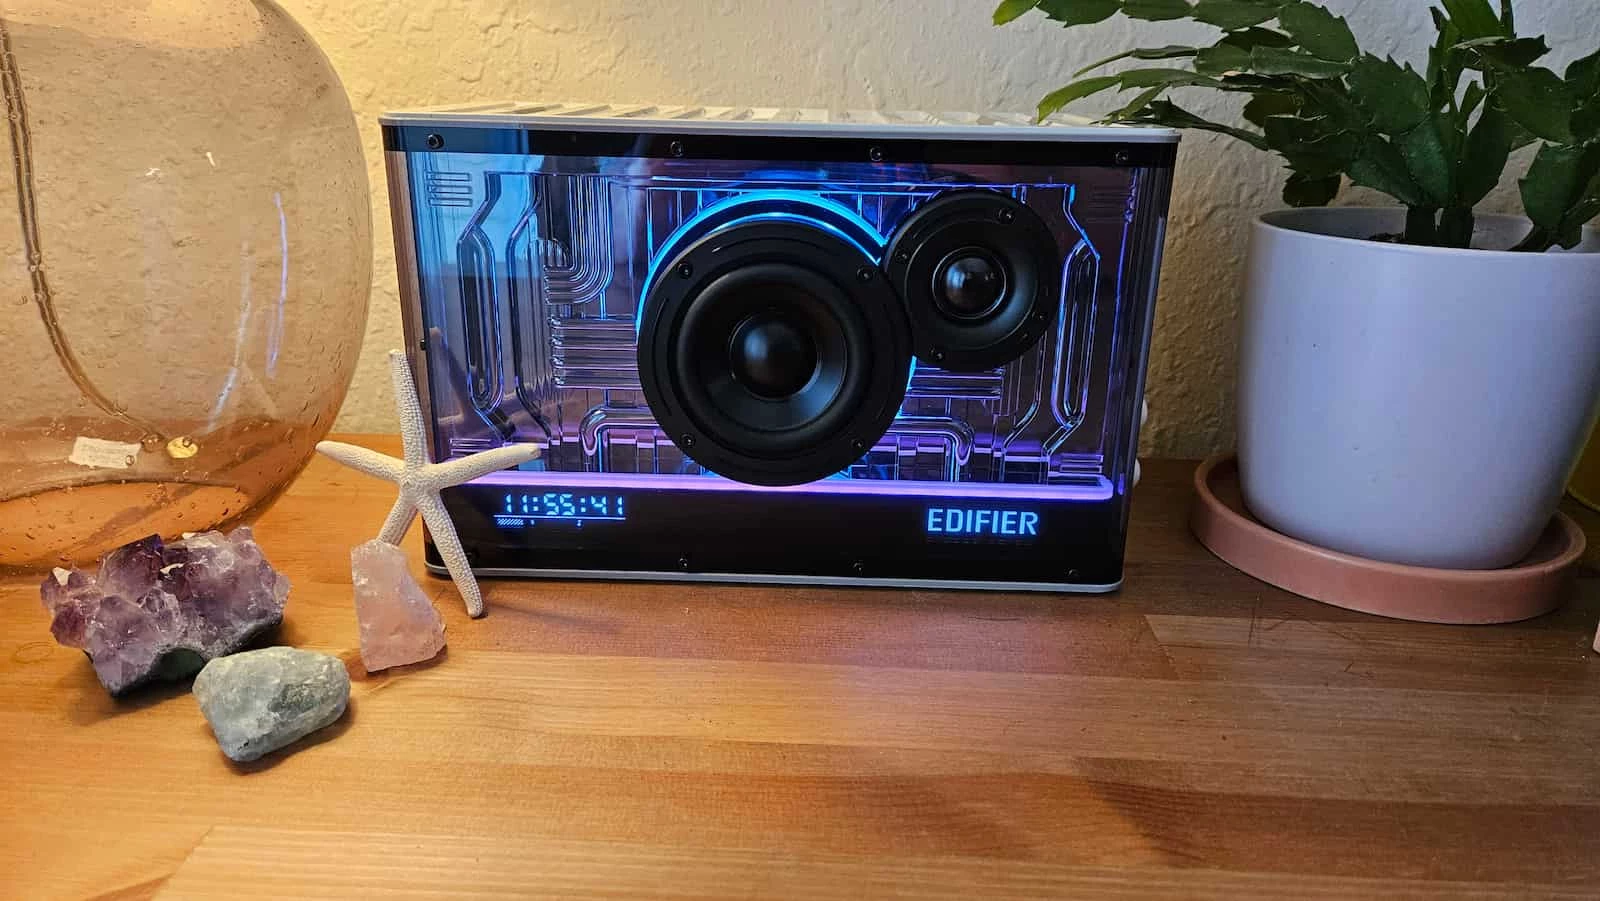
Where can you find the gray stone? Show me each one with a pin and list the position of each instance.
(260, 701)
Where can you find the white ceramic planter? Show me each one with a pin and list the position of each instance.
(1413, 405)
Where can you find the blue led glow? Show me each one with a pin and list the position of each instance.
(564, 505)
(790, 206)
(983, 522)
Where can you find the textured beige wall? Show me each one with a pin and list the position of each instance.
(898, 54)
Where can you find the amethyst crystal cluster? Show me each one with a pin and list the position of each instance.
(160, 611)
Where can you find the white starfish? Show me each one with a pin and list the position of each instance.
(420, 481)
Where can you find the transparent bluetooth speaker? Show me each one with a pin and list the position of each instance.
(184, 276)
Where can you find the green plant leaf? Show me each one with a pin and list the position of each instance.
(1583, 76)
(1443, 72)
(1304, 189)
(1080, 12)
(1555, 185)
(1263, 105)
(1475, 18)
(1581, 214)
(1330, 100)
(1276, 61)
(1222, 58)
(1319, 32)
(1501, 52)
(1287, 133)
(1148, 78)
(1586, 120)
(1232, 52)
(1157, 10)
(1010, 10)
(1078, 90)
(1246, 83)
(1441, 24)
(1172, 51)
(1470, 98)
(1169, 114)
(1520, 137)
(1380, 166)
(1538, 100)
(1452, 130)
(1232, 15)
(1394, 98)
(1565, 183)
(1583, 80)
(1429, 162)
(1315, 165)
(1483, 159)
(1309, 146)
(1137, 105)
(1250, 38)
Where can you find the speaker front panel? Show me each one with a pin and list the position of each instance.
(899, 369)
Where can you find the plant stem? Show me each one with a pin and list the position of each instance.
(1537, 241)
(1420, 226)
(1455, 227)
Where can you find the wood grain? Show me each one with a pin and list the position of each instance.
(1198, 735)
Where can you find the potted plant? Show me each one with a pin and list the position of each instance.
(1415, 383)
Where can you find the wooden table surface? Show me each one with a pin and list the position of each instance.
(1197, 735)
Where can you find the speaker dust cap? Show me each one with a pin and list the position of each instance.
(773, 351)
(979, 273)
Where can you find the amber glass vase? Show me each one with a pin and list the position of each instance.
(183, 282)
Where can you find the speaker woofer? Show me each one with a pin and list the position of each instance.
(773, 351)
(979, 274)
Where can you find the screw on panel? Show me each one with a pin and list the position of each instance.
(435, 142)
(1121, 157)
(858, 568)
(675, 148)
(686, 441)
(1074, 576)
(685, 270)
(866, 273)
(858, 446)
(902, 257)
(875, 154)
(422, 345)
(938, 354)
(1007, 217)
(683, 564)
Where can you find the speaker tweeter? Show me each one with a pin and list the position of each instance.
(979, 274)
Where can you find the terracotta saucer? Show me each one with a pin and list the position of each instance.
(1531, 588)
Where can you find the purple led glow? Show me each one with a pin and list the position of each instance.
(1097, 489)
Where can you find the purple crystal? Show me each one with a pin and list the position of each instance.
(160, 611)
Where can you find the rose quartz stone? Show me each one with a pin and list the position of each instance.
(398, 624)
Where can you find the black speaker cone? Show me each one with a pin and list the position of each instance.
(969, 284)
(772, 351)
(979, 273)
(771, 356)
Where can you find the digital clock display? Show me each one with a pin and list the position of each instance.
(563, 506)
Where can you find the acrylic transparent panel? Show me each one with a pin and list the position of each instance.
(531, 271)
